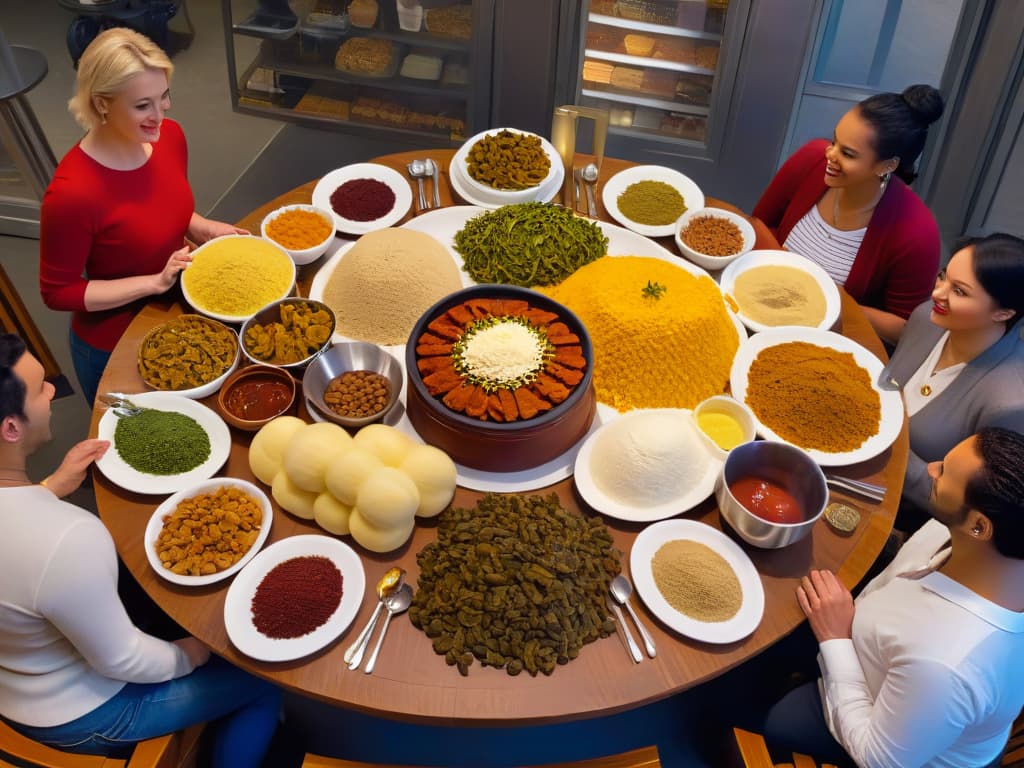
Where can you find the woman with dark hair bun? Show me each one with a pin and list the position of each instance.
(837, 203)
(960, 360)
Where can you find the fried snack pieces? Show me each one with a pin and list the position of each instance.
(209, 533)
(186, 352)
(303, 329)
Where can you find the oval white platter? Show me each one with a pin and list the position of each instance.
(653, 537)
(119, 472)
(890, 422)
(395, 181)
(617, 184)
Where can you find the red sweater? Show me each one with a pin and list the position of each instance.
(895, 268)
(102, 224)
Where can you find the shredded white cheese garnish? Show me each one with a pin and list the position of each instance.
(504, 351)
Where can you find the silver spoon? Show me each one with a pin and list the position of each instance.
(418, 169)
(432, 170)
(389, 582)
(589, 176)
(396, 602)
(621, 589)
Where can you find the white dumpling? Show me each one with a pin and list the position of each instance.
(388, 498)
(434, 474)
(266, 452)
(386, 443)
(347, 472)
(331, 515)
(309, 451)
(292, 498)
(378, 539)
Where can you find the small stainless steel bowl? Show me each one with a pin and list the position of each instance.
(351, 356)
(272, 314)
(787, 467)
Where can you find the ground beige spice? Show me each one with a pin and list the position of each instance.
(779, 295)
(814, 397)
(386, 281)
(697, 581)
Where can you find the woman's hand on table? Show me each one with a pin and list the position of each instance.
(827, 604)
(201, 229)
(71, 472)
(197, 653)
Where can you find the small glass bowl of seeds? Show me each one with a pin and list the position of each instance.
(353, 384)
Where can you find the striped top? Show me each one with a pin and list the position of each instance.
(831, 249)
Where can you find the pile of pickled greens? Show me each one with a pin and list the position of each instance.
(528, 244)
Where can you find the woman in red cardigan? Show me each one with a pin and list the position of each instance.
(838, 204)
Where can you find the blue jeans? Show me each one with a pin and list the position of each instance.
(247, 709)
(89, 363)
(797, 723)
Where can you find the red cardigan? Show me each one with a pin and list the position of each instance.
(895, 268)
(101, 224)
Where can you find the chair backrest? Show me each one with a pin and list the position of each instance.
(645, 757)
(754, 753)
(176, 750)
(1013, 754)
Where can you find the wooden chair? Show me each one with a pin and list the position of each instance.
(1013, 753)
(645, 757)
(176, 750)
(754, 753)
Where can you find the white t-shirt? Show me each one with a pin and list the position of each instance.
(933, 674)
(831, 249)
(66, 644)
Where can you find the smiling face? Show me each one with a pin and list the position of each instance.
(959, 301)
(135, 112)
(851, 158)
(949, 481)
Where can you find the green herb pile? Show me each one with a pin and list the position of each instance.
(161, 442)
(518, 582)
(528, 244)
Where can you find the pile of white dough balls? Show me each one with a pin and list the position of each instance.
(373, 485)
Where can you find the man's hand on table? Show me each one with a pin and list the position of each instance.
(197, 653)
(71, 472)
(828, 605)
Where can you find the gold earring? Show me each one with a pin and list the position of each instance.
(883, 180)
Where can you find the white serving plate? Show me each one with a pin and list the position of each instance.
(238, 603)
(156, 524)
(617, 184)
(121, 473)
(476, 193)
(751, 610)
(694, 495)
(396, 182)
(197, 253)
(753, 259)
(890, 423)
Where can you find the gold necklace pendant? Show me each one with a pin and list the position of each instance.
(926, 390)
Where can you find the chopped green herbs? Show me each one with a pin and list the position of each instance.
(161, 442)
(528, 244)
(654, 290)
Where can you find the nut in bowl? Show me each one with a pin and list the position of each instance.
(288, 333)
(190, 355)
(713, 238)
(255, 395)
(304, 231)
(353, 384)
(770, 493)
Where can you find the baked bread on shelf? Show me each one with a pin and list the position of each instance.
(365, 56)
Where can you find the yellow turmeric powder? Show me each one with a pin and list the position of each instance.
(662, 337)
(813, 397)
(297, 229)
(236, 276)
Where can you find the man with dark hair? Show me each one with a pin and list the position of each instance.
(75, 673)
(925, 668)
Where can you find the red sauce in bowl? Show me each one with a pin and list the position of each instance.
(258, 397)
(767, 500)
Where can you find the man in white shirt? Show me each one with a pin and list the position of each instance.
(926, 668)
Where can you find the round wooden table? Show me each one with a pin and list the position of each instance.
(413, 683)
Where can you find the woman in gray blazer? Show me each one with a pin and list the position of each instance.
(960, 360)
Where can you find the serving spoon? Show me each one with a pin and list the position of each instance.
(621, 590)
(389, 582)
(397, 602)
(589, 176)
(418, 169)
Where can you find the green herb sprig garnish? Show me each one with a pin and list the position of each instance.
(654, 290)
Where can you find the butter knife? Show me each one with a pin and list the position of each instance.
(634, 649)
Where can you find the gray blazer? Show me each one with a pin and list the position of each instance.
(988, 392)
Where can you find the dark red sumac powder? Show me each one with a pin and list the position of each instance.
(296, 597)
(362, 199)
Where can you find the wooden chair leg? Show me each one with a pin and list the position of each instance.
(753, 749)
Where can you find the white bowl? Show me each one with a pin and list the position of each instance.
(270, 249)
(727, 282)
(476, 192)
(203, 390)
(303, 255)
(156, 524)
(393, 179)
(707, 261)
(618, 183)
(730, 407)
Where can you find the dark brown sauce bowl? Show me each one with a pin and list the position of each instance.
(500, 446)
(249, 375)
